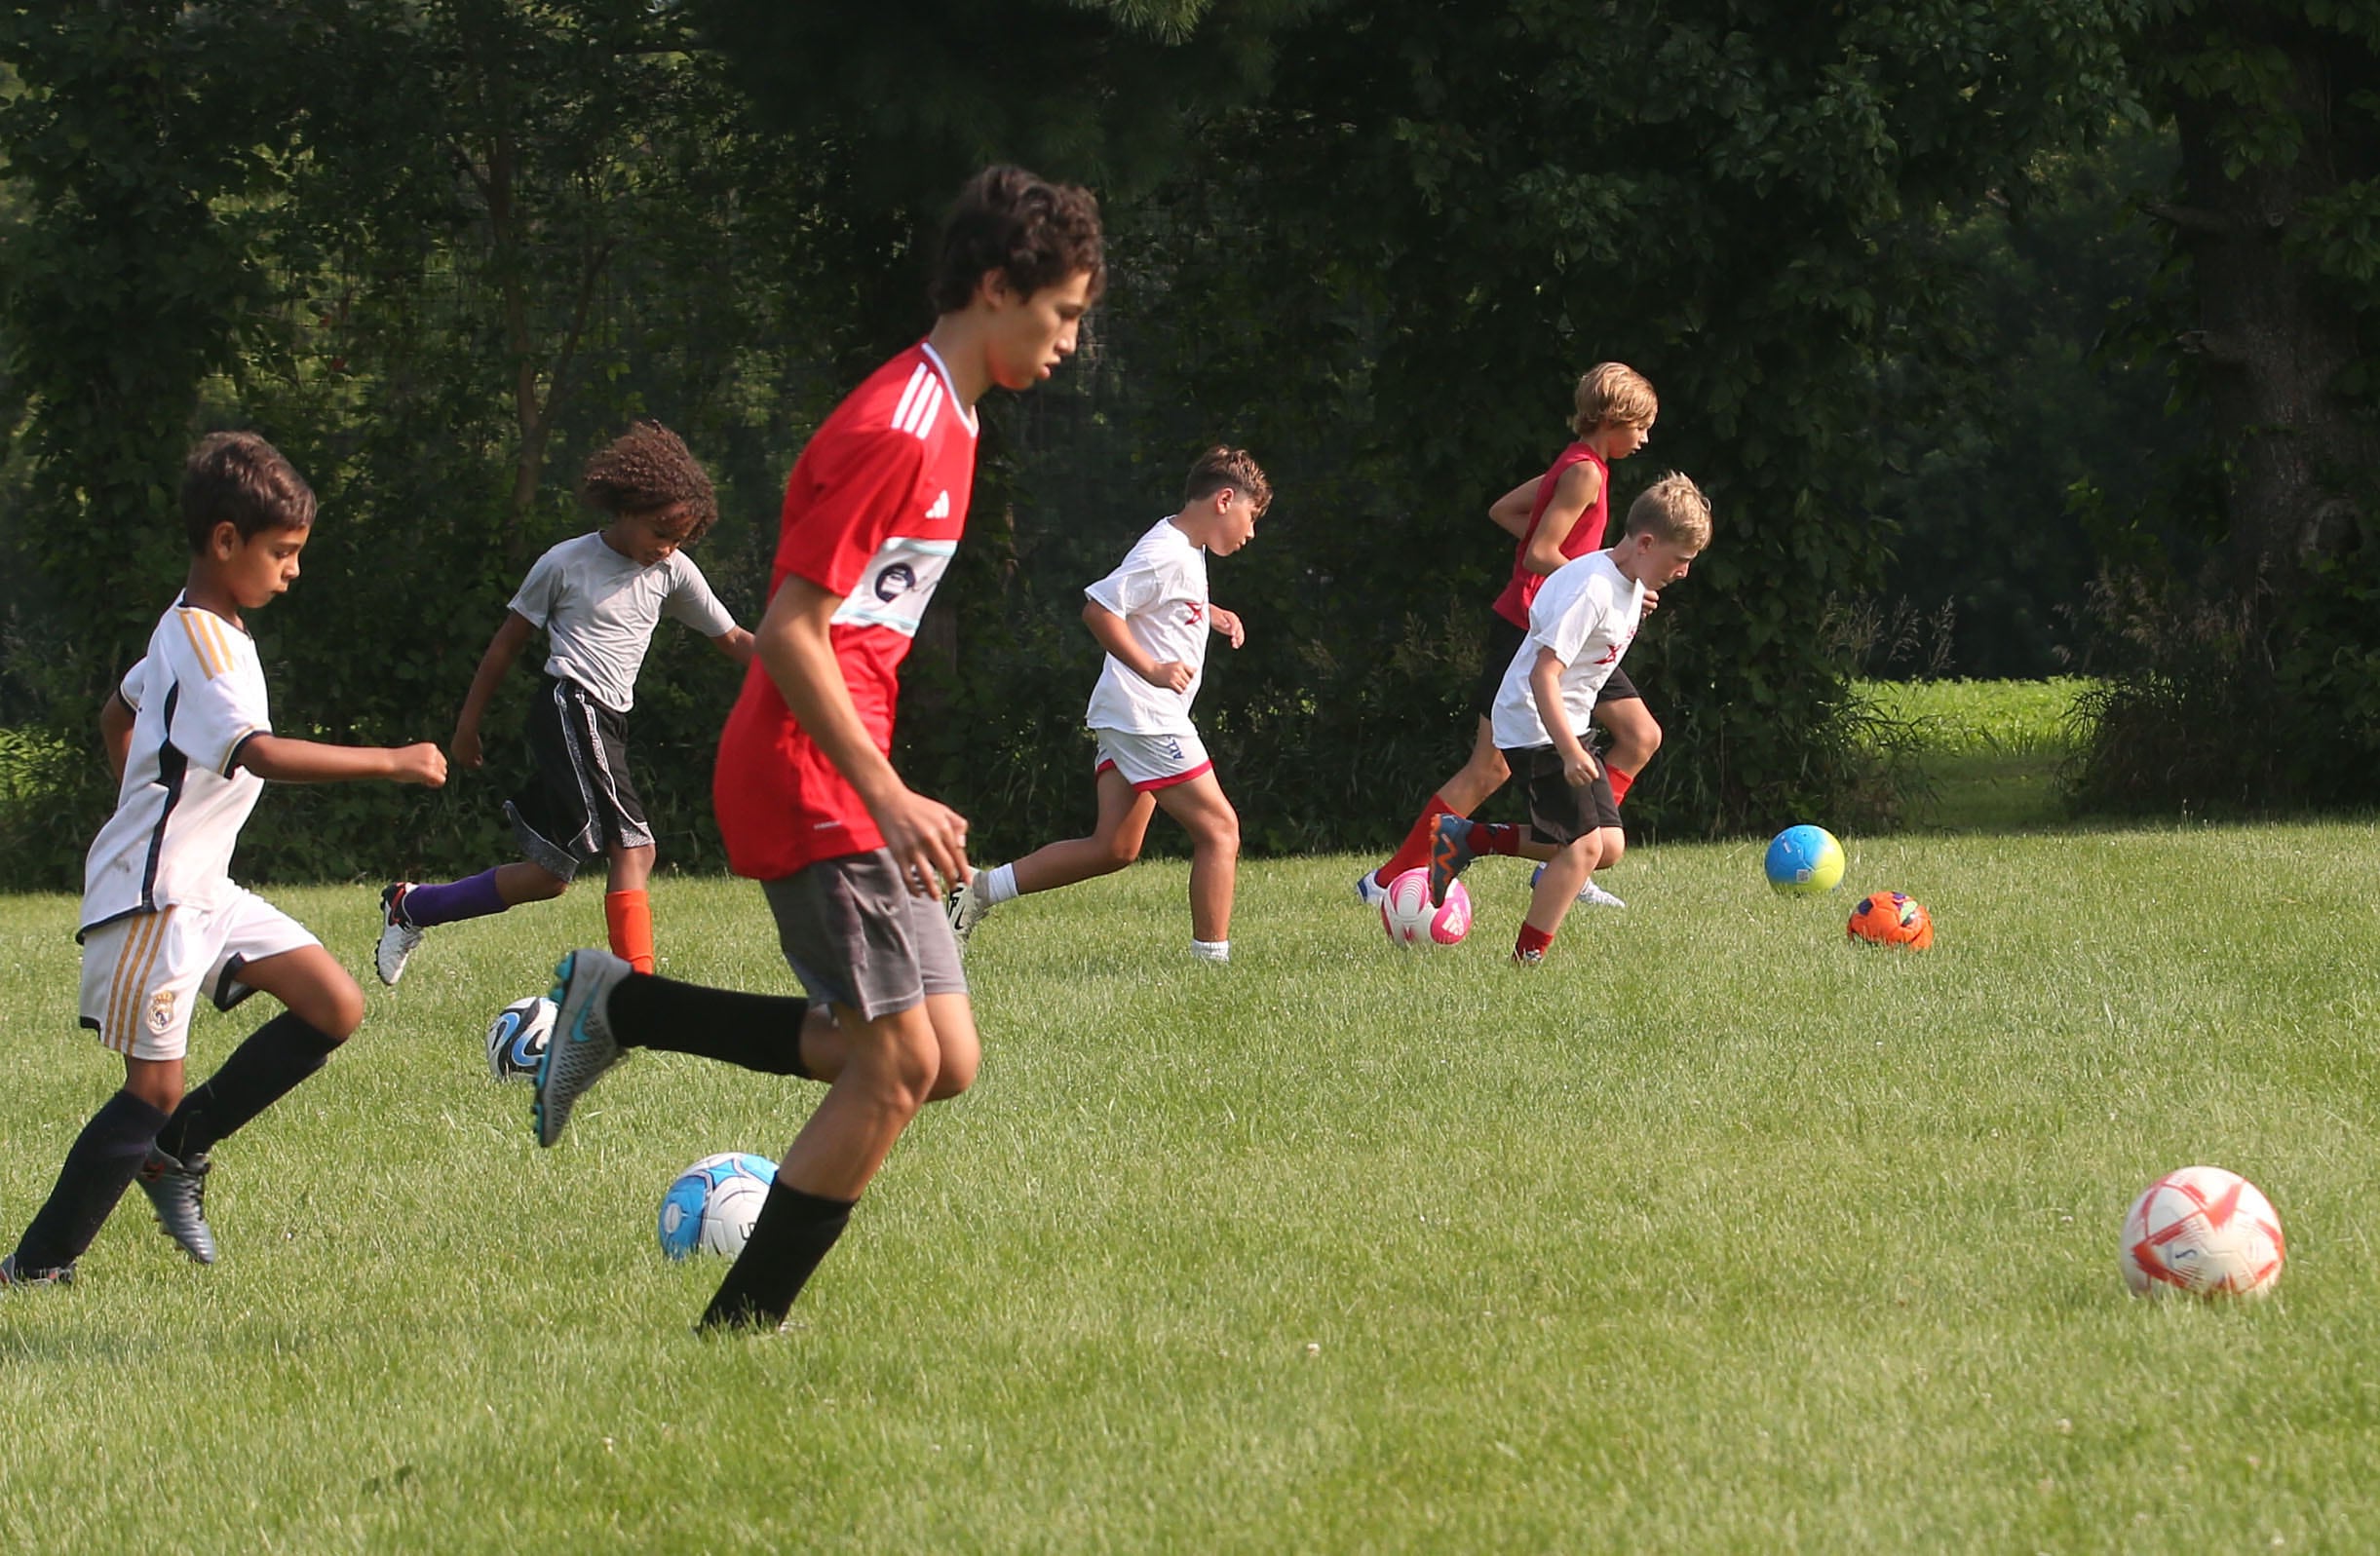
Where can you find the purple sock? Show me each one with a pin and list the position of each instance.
(426, 906)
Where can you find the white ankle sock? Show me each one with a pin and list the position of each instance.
(1210, 950)
(999, 886)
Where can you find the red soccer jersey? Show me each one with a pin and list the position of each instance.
(873, 513)
(1586, 535)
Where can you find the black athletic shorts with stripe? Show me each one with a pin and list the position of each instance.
(582, 803)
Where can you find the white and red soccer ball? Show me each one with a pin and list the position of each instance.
(1415, 921)
(2202, 1231)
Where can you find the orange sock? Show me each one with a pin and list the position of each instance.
(1414, 851)
(629, 916)
(1620, 783)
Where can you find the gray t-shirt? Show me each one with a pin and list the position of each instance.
(600, 608)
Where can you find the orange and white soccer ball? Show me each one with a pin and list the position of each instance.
(1891, 918)
(1416, 922)
(2205, 1232)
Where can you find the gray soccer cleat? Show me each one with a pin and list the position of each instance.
(11, 1275)
(1368, 889)
(1594, 897)
(581, 1047)
(967, 909)
(177, 1189)
(398, 937)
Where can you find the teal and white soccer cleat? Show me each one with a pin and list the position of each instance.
(581, 1047)
(177, 1189)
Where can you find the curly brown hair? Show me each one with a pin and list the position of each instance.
(647, 469)
(1035, 232)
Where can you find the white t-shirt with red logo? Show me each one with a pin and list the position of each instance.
(197, 699)
(1160, 589)
(1587, 613)
(872, 515)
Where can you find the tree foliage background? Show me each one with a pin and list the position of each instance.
(1900, 274)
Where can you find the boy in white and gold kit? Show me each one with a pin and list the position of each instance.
(163, 927)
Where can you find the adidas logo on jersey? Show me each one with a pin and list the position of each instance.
(940, 507)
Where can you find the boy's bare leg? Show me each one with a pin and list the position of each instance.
(1558, 887)
(630, 868)
(1634, 734)
(1481, 775)
(824, 1047)
(1115, 841)
(1214, 851)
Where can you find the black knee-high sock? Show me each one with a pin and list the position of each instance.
(790, 1235)
(276, 1057)
(756, 1031)
(99, 1167)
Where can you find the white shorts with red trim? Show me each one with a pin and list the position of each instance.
(143, 974)
(1152, 761)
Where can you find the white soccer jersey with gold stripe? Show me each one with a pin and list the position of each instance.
(197, 697)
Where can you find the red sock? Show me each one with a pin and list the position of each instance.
(1495, 837)
(1414, 851)
(1620, 783)
(630, 917)
(1531, 939)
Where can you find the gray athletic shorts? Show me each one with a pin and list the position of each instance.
(856, 937)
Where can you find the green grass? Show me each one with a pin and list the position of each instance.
(1990, 750)
(1715, 1233)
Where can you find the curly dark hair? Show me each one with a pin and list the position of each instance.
(241, 479)
(1035, 232)
(646, 469)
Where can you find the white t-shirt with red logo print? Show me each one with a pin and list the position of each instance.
(1587, 613)
(1160, 589)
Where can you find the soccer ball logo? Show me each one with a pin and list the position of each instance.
(1891, 918)
(712, 1204)
(516, 1037)
(2205, 1232)
(1418, 923)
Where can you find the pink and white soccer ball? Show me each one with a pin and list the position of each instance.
(1412, 919)
(2205, 1232)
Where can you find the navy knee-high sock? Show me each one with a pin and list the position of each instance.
(756, 1031)
(99, 1167)
(274, 1058)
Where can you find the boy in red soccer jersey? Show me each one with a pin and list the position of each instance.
(1557, 518)
(854, 862)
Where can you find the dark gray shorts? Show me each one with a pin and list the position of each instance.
(582, 803)
(856, 937)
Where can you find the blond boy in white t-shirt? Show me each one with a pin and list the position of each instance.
(1580, 623)
(1153, 617)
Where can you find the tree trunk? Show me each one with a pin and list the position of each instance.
(2275, 334)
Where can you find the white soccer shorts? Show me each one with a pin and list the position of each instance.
(143, 974)
(1151, 761)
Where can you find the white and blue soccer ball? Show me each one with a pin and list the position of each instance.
(517, 1039)
(712, 1207)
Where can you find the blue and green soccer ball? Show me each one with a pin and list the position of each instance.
(712, 1207)
(1804, 862)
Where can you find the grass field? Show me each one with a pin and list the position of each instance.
(1990, 750)
(1715, 1233)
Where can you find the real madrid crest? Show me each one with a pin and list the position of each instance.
(161, 1012)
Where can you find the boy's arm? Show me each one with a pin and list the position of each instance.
(1228, 623)
(1115, 637)
(1575, 493)
(927, 838)
(736, 643)
(116, 731)
(1510, 512)
(288, 761)
(1578, 767)
(502, 650)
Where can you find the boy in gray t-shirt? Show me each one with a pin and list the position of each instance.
(598, 598)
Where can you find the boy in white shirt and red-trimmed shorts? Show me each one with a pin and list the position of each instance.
(1153, 617)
